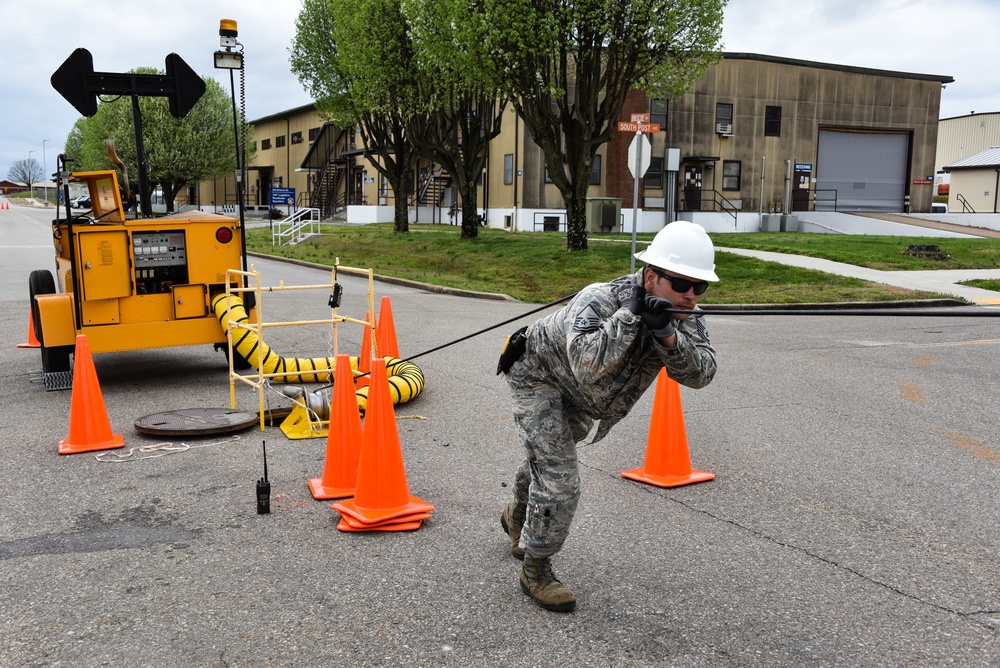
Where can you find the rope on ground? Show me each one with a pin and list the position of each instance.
(152, 451)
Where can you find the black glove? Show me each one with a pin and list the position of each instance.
(630, 296)
(658, 317)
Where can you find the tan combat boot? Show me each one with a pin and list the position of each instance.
(512, 520)
(538, 582)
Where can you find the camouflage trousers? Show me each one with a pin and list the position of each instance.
(548, 481)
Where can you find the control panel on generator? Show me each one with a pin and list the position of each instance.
(160, 261)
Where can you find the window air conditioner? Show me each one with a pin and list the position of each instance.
(724, 129)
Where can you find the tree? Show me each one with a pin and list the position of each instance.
(336, 42)
(26, 171)
(462, 101)
(570, 64)
(178, 152)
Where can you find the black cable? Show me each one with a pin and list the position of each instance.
(903, 313)
(474, 334)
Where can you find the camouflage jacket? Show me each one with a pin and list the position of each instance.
(602, 358)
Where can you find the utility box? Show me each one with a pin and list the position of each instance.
(604, 214)
(770, 222)
(789, 223)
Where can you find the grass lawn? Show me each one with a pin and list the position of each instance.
(535, 266)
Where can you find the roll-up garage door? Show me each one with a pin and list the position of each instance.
(866, 169)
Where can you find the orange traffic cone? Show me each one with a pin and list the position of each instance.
(89, 427)
(365, 358)
(385, 331)
(32, 341)
(343, 442)
(668, 463)
(382, 493)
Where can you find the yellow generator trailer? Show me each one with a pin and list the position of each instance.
(130, 284)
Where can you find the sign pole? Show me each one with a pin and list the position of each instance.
(635, 196)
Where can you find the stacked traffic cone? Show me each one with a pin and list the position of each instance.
(89, 427)
(668, 463)
(385, 331)
(365, 358)
(343, 442)
(383, 501)
(32, 341)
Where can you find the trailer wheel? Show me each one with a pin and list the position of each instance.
(240, 363)
(54, 358)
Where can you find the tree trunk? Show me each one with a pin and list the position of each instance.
(470, 213)
(576, 221)
(401, 216)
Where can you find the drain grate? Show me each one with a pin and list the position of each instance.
(195, 422)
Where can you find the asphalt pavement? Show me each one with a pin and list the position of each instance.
(853, 519)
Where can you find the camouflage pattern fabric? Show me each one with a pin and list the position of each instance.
(590, 360)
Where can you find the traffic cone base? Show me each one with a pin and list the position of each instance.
(354, 524)
(380, 515)
(640, 475)
(668, 462)
(321, 492)
(89, 427)
(405, 526)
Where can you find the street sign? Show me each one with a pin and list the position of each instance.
(77, 81)
(284, 196)
(640, 118)
(638, 156)
(627, 126)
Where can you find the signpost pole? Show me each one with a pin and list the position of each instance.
(635, 196)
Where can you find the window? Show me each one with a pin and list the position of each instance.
(508, 169)
(723, 113)
(731, 174)
(296, 137)
(313, 133)
(383, 186)
(595, 171)
(265, 144)
(279, 141)
(654, 174)
(772, 121)
(658, 113)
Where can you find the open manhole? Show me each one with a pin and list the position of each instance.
(196, 422)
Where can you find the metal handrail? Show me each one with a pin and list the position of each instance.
(817, 200)
(301, 223)
(966, 207)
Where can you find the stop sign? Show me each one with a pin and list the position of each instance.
(638, 155)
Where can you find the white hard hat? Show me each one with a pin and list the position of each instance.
(683, 248)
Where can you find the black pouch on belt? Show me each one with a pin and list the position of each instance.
(513, 348)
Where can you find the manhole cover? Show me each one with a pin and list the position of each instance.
(195, 422)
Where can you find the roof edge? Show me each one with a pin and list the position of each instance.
(732, 55)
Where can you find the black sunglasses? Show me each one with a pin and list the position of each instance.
(682, 285)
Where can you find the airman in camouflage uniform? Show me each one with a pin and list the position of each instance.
(591, 361)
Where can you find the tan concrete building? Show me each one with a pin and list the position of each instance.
(961, 137)
(756, 133)
(281, 142)
(975, 183)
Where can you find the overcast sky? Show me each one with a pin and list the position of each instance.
(954, 38)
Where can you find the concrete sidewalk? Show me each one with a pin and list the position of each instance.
(943, 281)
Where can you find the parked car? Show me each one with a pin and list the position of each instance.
(81, 202)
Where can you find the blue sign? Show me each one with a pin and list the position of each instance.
(803, 167)
(283, 196)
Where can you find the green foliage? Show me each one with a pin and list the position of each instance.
(535, 267)
(570, 63)
(885, 253)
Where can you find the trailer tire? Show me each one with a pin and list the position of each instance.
(55, 358)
